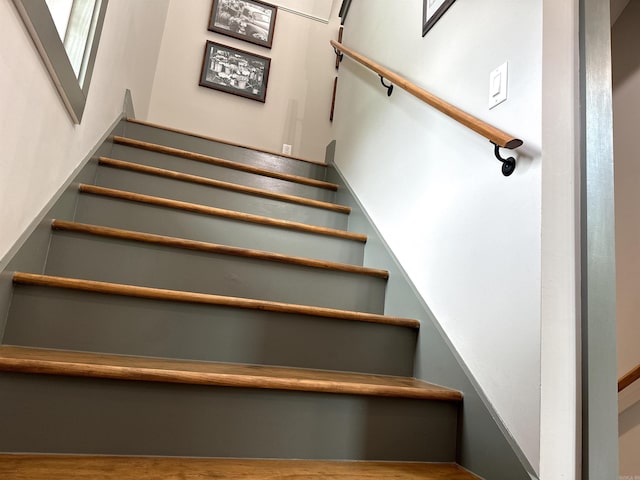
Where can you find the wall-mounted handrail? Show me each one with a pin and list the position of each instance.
(628, 378)
(493, 134)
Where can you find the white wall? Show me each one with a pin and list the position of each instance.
(39, 144)
(626, 110)
(560, 411)
(298, 100)
(468, 237)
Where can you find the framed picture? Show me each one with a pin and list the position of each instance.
(432, 10)
(249, 20)
(344, 10)
(235, 71)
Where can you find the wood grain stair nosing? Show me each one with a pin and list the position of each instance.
(151, 369)
(183, 243)
(111, 467)
(199, 157)
(207, 299)
(629, 378)
(226, 142)
(185, 177)
(219, 212)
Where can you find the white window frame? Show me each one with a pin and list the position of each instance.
(39, 23)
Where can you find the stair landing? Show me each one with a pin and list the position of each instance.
(68, 467)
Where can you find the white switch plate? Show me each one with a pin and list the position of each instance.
(498, 85)
(286, 149)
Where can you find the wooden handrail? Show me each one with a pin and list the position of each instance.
(495, 135)
(628, 378)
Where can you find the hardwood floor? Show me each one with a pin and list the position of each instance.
(62, 467)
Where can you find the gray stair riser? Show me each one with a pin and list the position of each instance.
(137, 216)
(93, 416)
(193, 167)
(120, 261)
(87, 321)
(222, 150)
(218, 197)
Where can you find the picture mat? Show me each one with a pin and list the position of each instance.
(250, 20)
(235, 71)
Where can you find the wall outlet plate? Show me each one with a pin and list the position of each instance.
(498, 85)
(286, 149)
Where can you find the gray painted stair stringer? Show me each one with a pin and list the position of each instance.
(485, 446)
(30, 250)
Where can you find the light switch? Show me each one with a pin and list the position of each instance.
(496, 77)
(498, 85)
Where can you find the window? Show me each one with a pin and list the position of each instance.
(66, 33)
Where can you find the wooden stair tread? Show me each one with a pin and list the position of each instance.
(220, 212)
(63, 467)
(199, 157)
(226, 142)
(185, 177)
(122, 367)
(64, 225)
(207, 299)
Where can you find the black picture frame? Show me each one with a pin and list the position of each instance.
(344, 11)
(338, 55)
(432, 11)
(253, 21)
(333, 99)
(235, 71)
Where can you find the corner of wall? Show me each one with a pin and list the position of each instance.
(161, 43)
(127, 108)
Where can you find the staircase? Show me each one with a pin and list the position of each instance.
(207, 305)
